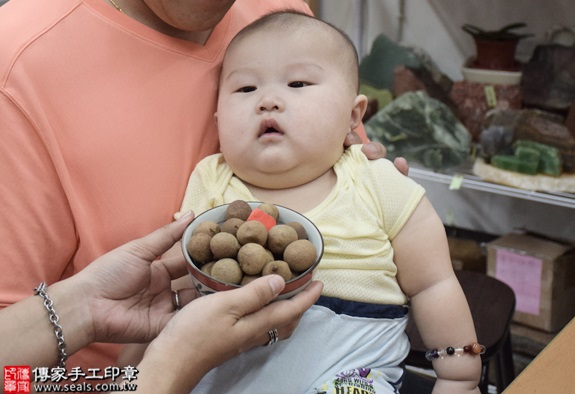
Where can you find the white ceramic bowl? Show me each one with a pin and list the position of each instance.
(207, 285)
(489, 77)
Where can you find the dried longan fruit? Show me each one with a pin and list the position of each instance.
(248, 278)
(207, 268)
(270, 209)
(299, 229)
(252, 231)
(231, 225)
(228, 271)
(224, 245)
(279, 237)
(238, 209)
(199, 248)
(278, 267)
(210, 228)
(300, 255)
(252, 258)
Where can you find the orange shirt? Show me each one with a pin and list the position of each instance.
(102, 120)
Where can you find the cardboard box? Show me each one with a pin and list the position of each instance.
(541, 272)
(552, 369)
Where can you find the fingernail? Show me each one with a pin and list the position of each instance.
(184, 216)
(276, 283)
(372, 147)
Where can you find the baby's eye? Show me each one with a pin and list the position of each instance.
(298, 84)
(246, 89)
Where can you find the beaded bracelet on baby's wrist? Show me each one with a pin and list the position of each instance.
(473, 349)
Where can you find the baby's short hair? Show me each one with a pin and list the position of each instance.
(287, 20)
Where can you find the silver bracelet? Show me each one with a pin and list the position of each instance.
(40, 290)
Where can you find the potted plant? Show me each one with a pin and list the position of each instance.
(495, 49)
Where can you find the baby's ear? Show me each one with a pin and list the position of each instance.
(358, 110)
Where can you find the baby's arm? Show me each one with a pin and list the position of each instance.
(439, 305)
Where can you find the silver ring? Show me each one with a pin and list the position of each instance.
(274, 336)
(176, 300)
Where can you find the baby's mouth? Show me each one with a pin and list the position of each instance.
(269, 126)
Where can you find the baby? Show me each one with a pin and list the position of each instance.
(288, 95)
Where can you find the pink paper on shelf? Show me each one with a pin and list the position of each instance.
(523, 274)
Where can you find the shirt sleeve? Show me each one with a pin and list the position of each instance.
(37, 231)
(398, 195)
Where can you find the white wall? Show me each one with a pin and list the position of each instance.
(435, 25)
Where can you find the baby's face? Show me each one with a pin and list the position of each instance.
(285, 106)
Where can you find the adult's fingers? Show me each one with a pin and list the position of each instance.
(186, 296)
(352, 138)
(160, 240)
(258, 293)
(401, 164)
(251, 298)
(374, 150)
(176, 267)
(284, 315)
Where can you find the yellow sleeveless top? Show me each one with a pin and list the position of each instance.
(366, 209)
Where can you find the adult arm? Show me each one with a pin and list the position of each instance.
(125, 296)
(215, 328)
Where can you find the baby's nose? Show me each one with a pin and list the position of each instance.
(270, 103)
(271, 107)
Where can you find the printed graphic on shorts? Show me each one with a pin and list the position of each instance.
(354, 381)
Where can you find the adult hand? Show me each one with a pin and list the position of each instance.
(217, 327)
(129, 289)
(375, 150)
